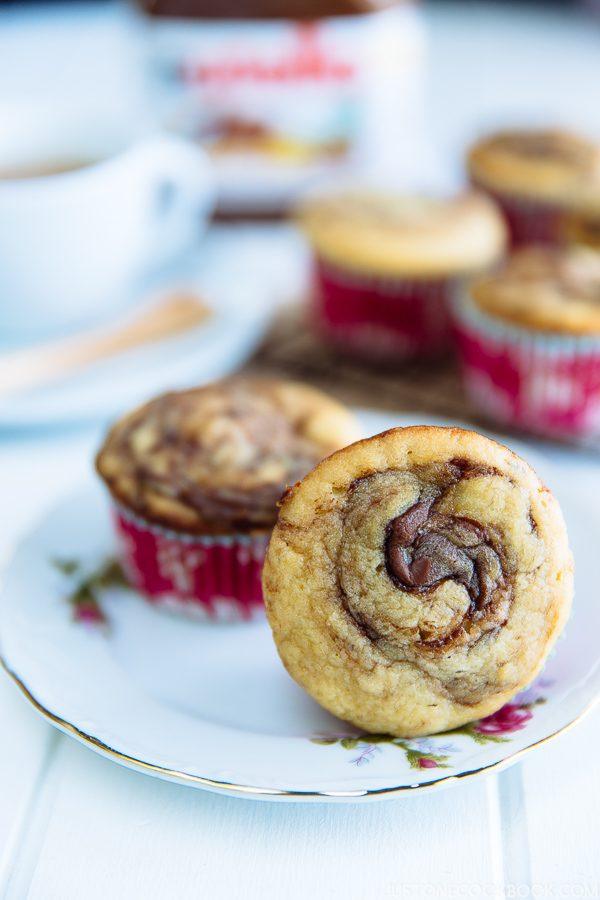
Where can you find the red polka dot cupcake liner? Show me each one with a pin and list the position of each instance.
(378, 318)
(531, 222)
(537, 382)
(207, 577)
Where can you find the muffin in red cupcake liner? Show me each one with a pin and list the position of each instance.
(385, 319)
(539, 382)
(531, 221)
(208, 577)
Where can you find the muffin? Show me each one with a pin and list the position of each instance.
(195, 477)
(528, 338)
(384, 266)
(538, 177)
(583, 226)
(417, 580)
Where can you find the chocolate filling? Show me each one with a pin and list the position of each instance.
(450, 578)
(424, 548)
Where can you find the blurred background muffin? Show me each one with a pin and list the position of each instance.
(538, 177)
(384, 265)
(195, 477)
(583, 225)
(529, 342)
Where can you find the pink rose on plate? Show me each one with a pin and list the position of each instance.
(89, 613)
(508, 719)
(425, 763)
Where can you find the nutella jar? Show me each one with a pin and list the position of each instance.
(283, 94)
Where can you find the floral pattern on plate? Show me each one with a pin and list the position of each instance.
(436, 752)
(85, 587)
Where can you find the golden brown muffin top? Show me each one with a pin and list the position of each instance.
(549, 289)
(417, 580)
(550, 165)
(384, 233)
(217, 459)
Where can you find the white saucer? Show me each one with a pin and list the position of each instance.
(211, 706)
(242, 272)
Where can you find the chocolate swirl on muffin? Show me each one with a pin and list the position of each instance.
(424, 549)
(416, 581)
(217, 458)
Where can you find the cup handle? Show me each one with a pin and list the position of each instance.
(181, 196)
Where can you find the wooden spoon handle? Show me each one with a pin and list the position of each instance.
(37, 366)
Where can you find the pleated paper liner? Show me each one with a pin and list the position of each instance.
(543, 383)
(381, 318)
(204, 577)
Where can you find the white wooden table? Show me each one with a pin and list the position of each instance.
(73, 825)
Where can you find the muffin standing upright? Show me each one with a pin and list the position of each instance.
(528, 339)
(195, 477)
(417, 580)
(540, 178)
(384, 267)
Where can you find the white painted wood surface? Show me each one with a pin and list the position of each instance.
(73, 825)
(167, 841)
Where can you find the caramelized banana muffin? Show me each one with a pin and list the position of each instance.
(196, 476)
(528, 338)
(538, 177)
(417, 580)
(385, 265)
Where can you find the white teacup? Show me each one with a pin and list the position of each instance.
(85, 211)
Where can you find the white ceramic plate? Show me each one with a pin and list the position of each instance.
(211, 706)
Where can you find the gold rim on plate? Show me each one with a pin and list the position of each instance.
(226, 787)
